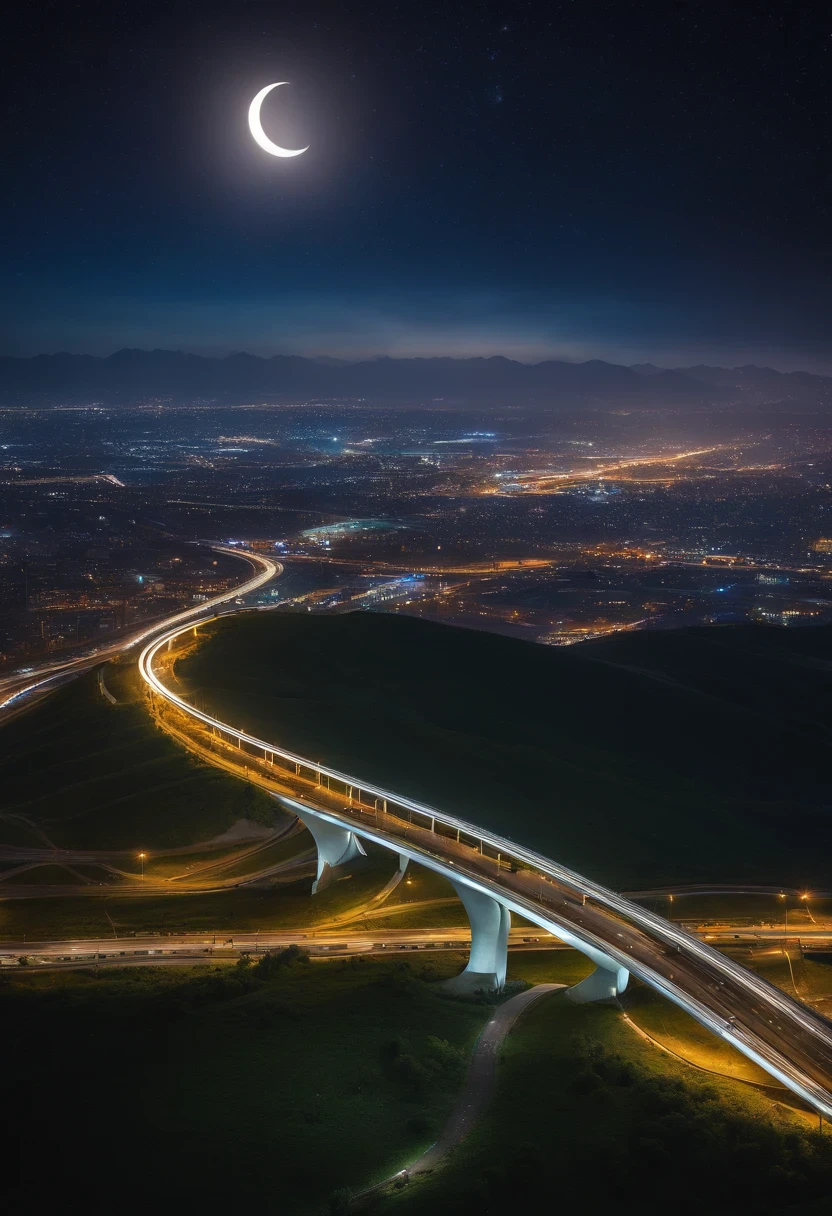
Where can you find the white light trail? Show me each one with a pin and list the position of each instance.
(655, 927)
(268, 569)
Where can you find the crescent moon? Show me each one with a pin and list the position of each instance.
(257, 130)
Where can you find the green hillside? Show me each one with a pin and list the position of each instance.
(79, 772)
(279, 1083)
(698, 755)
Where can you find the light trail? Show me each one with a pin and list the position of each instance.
(553, 483)
(61, 480)
(321, 938)
(53, 673)
(799, 1053)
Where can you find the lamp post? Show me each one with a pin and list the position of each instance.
(141, 859)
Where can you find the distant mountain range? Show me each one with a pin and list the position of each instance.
(752, 382)
(131, 375)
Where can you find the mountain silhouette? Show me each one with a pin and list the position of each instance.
(755, 384)
(138, 374)
(132, 375)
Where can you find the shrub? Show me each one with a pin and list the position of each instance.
(421, 1125)
(395, 1047)
(449, 1063)
(340, 1201)
(410, 1071)
(275, 961)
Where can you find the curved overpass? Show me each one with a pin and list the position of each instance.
(781, 1035)
(15, 687)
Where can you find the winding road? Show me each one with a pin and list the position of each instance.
(21, 688)
(777, 1032)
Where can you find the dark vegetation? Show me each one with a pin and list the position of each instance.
(588, 1116)
(294, 1083)
(94, 775)
(272, 1082)
(695, 755)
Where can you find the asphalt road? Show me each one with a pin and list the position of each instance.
(20, 689)
(320, 940)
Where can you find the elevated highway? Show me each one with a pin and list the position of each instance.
(20, 687)
(495, 876)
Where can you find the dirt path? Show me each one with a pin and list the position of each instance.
(479, 1085)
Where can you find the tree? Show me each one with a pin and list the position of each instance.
(273, 963)
(340, 1201)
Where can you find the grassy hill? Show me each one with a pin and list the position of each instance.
(587, 1111)
(697, 755)
(273, 1086)
(81, 773)
(218, 1090)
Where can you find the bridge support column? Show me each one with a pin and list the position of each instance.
(490, 922)
(605, 983)
(336, 845)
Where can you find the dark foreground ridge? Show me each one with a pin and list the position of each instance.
(698, 755)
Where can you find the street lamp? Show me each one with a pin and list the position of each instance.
(141, 859)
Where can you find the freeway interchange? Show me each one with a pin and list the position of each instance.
(783, 1036)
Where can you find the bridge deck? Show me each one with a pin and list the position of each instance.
(785, 1037)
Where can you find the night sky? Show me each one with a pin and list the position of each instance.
(568, 180)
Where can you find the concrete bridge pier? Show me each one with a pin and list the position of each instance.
(605, 983)
(490, 922)
(335, 845)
